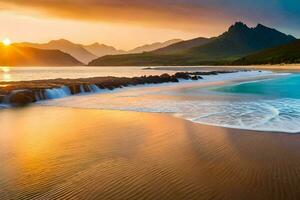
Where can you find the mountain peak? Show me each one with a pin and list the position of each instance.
(95, 44)
(154, 46)
(98, 45)
(263, 27)
(239, 26)
(60, 41)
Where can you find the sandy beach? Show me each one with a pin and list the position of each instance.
(284, 67)
(276, 68)
(67, 153)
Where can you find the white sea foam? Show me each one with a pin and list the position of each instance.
(57, 92)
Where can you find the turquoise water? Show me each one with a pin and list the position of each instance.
(265, 105)
(283, 87)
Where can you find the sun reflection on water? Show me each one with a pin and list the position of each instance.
(5, 69)
(6, 76)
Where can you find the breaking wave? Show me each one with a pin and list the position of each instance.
(278, 115)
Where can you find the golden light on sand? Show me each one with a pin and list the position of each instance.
(6, 42)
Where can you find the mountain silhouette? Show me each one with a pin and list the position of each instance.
(27, 56)
(183, 45)
(240, 40)
(75, 50)
(154, 46)
(101, 49)
(283, 54)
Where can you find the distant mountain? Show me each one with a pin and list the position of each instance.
(283, 54)
(238, 41)
(27, 56)
(102, 49)
(87, 53)
(76, 50)
(154, 46)
(183, 45)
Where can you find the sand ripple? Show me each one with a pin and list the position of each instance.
(93, 154)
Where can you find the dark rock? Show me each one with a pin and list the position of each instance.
(40, 94)
(100, 86)
(182, 75)
(25, 92)
(194, 78)
(86, 88)
(75, 89)
(21, 98)
(2, 97)
(165, 76)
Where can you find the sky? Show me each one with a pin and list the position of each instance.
(126, 24)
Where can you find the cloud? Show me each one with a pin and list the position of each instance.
(176, 14)
(190, 15)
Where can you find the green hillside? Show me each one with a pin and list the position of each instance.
(284, 54)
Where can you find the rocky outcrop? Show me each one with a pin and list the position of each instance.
(26, 92)
(22, 97)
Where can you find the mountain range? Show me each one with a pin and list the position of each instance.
(183, 45)
(154, 46)
(101, 49)
(27, 56)
(239, 41)
(240, 44)
(87, 53)
(75, 50)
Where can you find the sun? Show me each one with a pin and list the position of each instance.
(6, 42)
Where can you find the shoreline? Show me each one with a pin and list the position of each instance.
(205, 81)
(163, 98)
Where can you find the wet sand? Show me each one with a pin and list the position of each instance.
(67, 153)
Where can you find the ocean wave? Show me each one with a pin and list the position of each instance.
(278, 115)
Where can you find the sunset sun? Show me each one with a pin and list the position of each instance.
(6, 42)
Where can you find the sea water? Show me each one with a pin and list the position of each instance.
(270, 104)
(42, 73)
(266, 105)
(280, 87)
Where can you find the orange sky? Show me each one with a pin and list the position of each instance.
(124, 24)
(21, 28)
